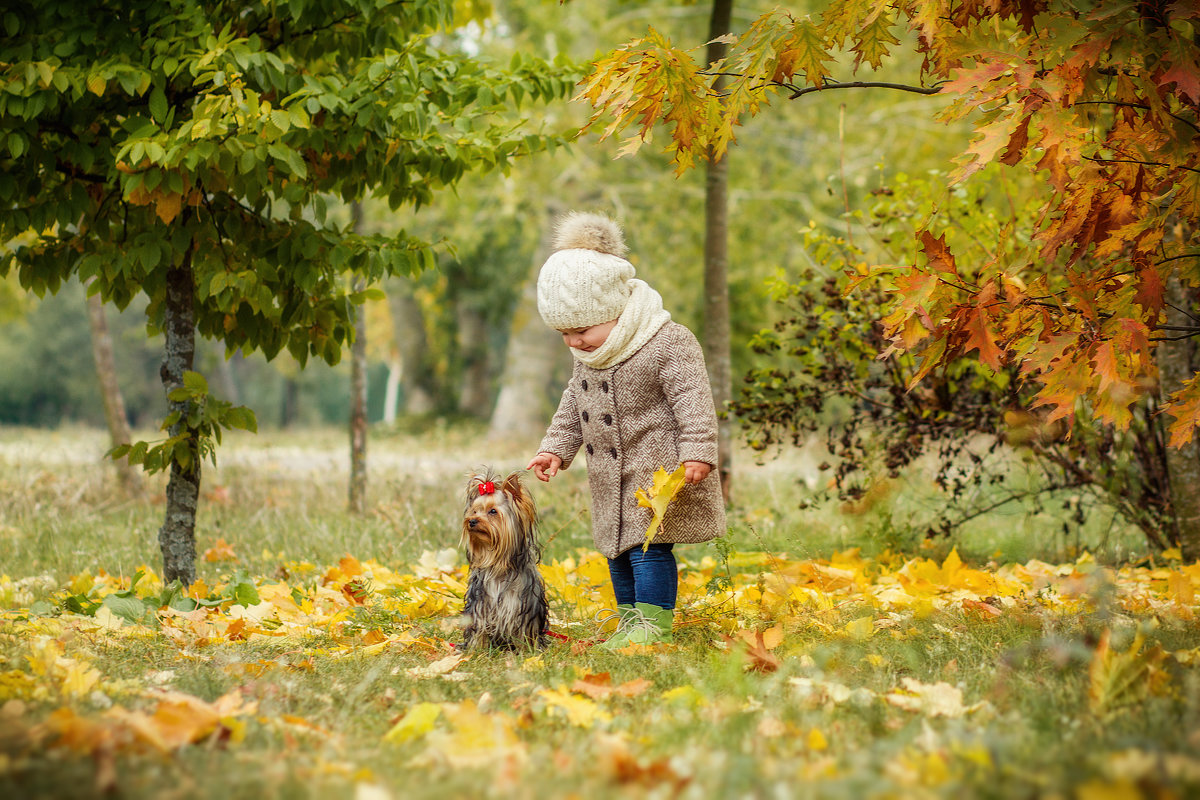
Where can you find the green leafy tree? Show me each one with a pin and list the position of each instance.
(188, 152)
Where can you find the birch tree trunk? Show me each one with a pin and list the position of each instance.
(475, 395)
(357, 492)
(412, 344)
(289, 401)
(533, 358)
(391, 390)
(110, 393)
(1177, 363)
(226, 380)
(177, 536)
(716, 268)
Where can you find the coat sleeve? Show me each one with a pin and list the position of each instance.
(684, 379)
(564, 437)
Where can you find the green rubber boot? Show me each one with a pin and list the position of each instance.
(646, 624)
(623, 614)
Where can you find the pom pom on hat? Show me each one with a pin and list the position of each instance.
(580, 231)
(586, 281)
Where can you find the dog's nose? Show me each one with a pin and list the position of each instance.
(472, 522)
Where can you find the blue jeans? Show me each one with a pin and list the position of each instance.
(649, 577)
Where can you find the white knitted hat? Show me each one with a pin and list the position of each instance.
(586, 281)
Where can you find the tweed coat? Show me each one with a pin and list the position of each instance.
(655, 409)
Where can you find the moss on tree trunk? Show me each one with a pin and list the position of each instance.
(177, 536)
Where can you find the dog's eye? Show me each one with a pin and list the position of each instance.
(493, 511)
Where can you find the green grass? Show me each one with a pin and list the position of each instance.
(704, 726)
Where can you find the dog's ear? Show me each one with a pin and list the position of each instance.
(512, 486)
(521, 499)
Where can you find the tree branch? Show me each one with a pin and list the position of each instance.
(1142, 106)
(1011, 498)
(800, 92)
(1183, 311)
(1176, 258)
(1143, 163)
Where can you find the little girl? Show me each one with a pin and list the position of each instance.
(638, 399)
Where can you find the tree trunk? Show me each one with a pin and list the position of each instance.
(475, 392)
(391, 390)
(177, 537)
(110, 393)
(526, 402)
(226, 379)
(716, 269)
(289, 401)
(358, 397)
(1177, 364)
(358, 416)
(408, 321)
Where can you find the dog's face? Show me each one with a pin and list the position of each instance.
(498, 521)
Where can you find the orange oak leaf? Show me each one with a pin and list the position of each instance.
(1016, 144)
(1063, 384)
(939, 255)
(1150, 289)
(757, 647)
(599, 685)
(1184, 73)
(1107, 368)
(805, 51)
(1185, 408)
(980, 337)
(988, 141)
(981, 608)
(972, 80)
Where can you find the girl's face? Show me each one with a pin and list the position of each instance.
(589, 338)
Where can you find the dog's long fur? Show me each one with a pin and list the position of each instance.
(506, 599)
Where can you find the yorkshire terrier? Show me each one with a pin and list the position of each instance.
(506, 599)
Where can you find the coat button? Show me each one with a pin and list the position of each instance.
(590, 450)
(608, 419)
(585, 416)
(613, 452)
(585, 386)
(604, 386)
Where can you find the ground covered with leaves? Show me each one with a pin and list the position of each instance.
(884, 677)
(305, 672)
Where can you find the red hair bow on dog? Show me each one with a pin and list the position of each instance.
(487, 487)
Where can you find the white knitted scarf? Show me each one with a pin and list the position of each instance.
(643, 316)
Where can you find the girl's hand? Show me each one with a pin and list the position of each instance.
(545, 466)
(695, 471)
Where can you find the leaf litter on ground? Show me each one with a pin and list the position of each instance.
(773, 617)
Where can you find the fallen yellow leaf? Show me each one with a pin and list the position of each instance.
(417, 722)
(579, 711)
(935, 699)
(1117, 679)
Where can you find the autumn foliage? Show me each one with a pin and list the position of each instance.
(1093, 103)
(62, 701)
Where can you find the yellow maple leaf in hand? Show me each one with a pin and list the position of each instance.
(658, 497)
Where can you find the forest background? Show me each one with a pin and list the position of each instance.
(819, 189)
